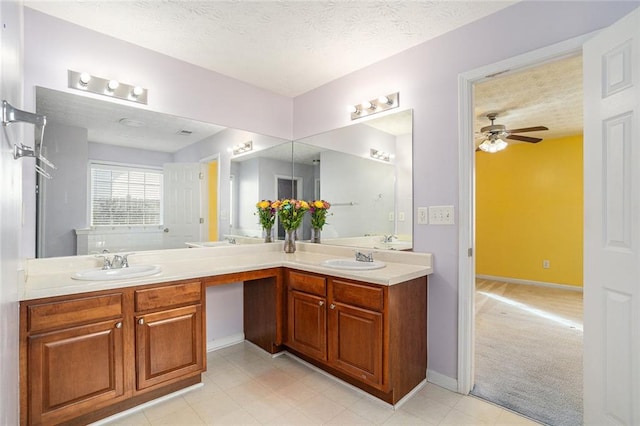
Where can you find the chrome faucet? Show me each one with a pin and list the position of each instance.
(361, 257)
(388, 238)
(117, 262)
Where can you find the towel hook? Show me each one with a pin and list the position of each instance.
(10, 114)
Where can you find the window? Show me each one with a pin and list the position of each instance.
(123, 195)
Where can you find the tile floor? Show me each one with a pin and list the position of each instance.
(244, 385)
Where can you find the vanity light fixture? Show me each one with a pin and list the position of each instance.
(108, 87)
(380, 155)
(242, 148)
(382, 103)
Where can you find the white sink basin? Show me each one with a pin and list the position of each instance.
(353, 265)
(116, 274)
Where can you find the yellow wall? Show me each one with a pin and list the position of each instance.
(213, 201)
(529, 207)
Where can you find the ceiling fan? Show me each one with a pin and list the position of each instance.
(495, 135)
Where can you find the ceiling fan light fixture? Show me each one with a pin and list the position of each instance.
(492, 145)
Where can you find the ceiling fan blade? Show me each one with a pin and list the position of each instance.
(528, 129)
(524, 138)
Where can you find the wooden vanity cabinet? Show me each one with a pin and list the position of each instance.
(169, 333)
(356, 330)
(370, 335)
(85, 357)
(75, 355)
(307, 314)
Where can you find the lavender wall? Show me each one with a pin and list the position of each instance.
(427, 78)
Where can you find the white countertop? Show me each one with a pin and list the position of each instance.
(52, 276)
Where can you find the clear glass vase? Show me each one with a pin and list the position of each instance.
(315, 235)
(268, 234)
(290, 241)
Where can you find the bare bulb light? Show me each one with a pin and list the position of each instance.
(113, 85)
(85, 78)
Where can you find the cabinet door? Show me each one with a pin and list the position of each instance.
(307, 324)
(169, 345)
(356, 342)
(75, 371)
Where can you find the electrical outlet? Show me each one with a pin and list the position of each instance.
(400, 216)
(441, 215)
(546, 264)
(423, 215)
(391, 217)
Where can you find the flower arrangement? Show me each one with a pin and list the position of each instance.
(290, 212)
(319, 212)
(266, 213)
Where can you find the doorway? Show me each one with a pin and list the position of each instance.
(467, 202)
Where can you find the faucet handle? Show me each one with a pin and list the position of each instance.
(107, 262)
(125, 260)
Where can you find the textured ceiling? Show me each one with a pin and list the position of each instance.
(299, 45)
(548, 95)
(288, 47)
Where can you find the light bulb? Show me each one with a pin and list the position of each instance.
(384, 100)
(113, 85)
(352, 109)
(137, 91)
(367, 105)
(85, 78)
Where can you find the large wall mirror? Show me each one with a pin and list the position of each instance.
(208, 193)
(365, 171)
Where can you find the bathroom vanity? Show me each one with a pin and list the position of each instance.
(89, 349)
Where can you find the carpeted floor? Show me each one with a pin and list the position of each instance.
(528, 345)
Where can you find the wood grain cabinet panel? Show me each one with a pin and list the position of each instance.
(75, 371)
(169, 345)
(356, 342)
(307, 325)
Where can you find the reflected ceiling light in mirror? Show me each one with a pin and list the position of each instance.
(374, 106)
(242, 148)
(492, 144)
(108, 87)
(130, 122)
(380, 155)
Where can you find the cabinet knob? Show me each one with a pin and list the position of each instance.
(332, 306)
(141, 321)
(321, 303)
(119, 324)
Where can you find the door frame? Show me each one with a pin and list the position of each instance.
(466, 191)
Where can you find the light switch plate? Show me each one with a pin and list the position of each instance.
(423, 215)
(441, 215)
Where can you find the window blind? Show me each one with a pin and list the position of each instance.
(125, 196)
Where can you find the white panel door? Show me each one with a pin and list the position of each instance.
(182, 204)
(612, 225)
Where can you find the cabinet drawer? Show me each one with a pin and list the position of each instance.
(168, 296)
(358, 295)
(51, 316)
(308, 283)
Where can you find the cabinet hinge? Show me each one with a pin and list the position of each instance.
(201, 176)
(470, 252)
(202, 220)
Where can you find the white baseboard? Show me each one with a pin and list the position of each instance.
(442, 380)
(223, 342)
(530, 282)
